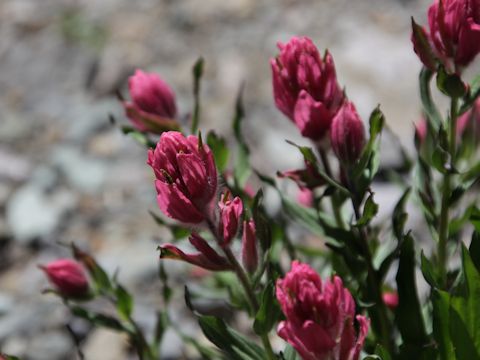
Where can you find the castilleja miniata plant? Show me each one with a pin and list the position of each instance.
(350, 292)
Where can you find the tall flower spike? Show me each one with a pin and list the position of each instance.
(319, 316)
(68, 277)
(454, 38)
(186, 177)
(152, 107)
(305, 86)
(230, 213)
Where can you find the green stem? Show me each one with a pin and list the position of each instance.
(446, 192)
(250, 296)
(334, 198)
(380, 322)
(242, 276)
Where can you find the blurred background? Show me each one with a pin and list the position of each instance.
(67, 174)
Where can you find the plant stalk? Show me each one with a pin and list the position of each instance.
(446, 192)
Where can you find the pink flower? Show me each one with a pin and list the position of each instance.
(68, 277)
(152, 107)
(305, 197)
(319, 316)
(230, 212)
(305, 86)
(206, 258)
(347, 134)
(390, 299)
(454, 37)
(186, 177)
(249, 246)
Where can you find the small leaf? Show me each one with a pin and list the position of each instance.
(268, 313)
(197, 72)
(440, 159)
(99, 276)
(408, 314)
(124, 302)
(433, 115)
(429, 272)
(399, 216)
(450, 84)
(382, 352)
(370, 209)
(232, 343)
(441, 324)
(474, 249)
(220, 150)
(290, 353)
(97, 319)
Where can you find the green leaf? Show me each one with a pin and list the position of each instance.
(475, 218)
(306, 216)
(370, 157)
(429, 272)
(268, 313)
(97, 319)
(138, 136)
(399, 216)
(440, 160)
(309, 157)
(197, 72)
(382, 352)
(220, 150)
(472, 95)
(124, 302)
(450, 84)
(242, 169)
(465, 312)
(232, 343)
(434, 117)
(370, 209)
(161, 326)
(441, 324)
(474, 249)
(290, 353)
(408, 314)
(99, 276)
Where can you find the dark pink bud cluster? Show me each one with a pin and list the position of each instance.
(230, 213)
(454, 38)
(305, 86)
(152, 107)
(68, 277)
(347, 134)
(319, 316)
(249, 246)
(186, 177)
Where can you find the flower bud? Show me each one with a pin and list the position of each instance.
(347, 134)
(230, 212)
(249, 246)
(390, 299)
(186, 177)
(305, 197)
(68, 277)
(454, 37)
(206, 258)
(305, 86)
(319, 316)
(152, 107)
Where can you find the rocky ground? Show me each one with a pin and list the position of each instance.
(67, 174)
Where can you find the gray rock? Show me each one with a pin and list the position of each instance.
(82, 172)
(50, 345)
(31, 213)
